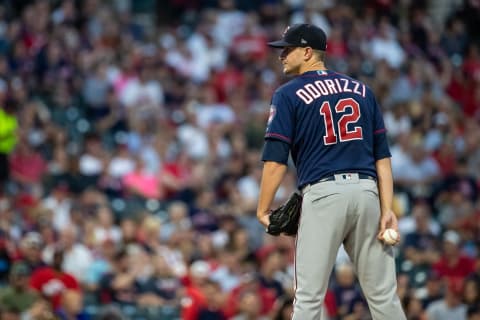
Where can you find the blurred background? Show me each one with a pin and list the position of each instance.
(130, 142)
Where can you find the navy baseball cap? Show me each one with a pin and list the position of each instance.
(302, 35)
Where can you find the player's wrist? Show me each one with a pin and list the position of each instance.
(386, 211)
(262, 212)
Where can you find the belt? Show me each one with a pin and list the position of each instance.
(345, 176)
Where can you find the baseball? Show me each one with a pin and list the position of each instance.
(390, 236)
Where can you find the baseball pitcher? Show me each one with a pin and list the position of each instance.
(332, 126)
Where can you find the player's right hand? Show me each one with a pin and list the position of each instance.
(388, 219)
(264, 218)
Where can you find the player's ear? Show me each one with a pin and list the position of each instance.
(308, 53)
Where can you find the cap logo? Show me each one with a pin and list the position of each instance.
(285, 31)
(303, 41)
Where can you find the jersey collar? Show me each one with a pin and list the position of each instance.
(316, 72)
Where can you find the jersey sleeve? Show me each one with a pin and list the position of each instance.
(280, 124)
(275, 150)
(380, 141)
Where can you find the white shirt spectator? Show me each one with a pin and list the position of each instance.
(138, 94)
(103, 234)
(175, 260)
(385, 46)
(229, 24)
(416, 171)
(439, 310)
(182, 60)
(120, 166)
(407, 224)
(76, 260)
(397, 124)
(249, 188)
(195, 141)
(218, 113)
(311, 15)
(60, 210)
(225, 278)
(90, 165)
(207, 55)
(388, 50)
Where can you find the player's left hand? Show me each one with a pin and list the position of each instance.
(388, 219)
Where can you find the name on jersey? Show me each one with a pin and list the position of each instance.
(311, 91)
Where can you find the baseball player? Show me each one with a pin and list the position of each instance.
(332, 126)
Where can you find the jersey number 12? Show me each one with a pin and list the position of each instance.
(347, 118)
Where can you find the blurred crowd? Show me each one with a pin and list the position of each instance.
(130, 142)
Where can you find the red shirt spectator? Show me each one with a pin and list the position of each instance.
(27, 165)
(267, 297)
(453, 264)
(226, 81)
(250, 45)
(445, 157)
(471, 64)
(193, 301)
(176, 175)
(337, 47)
(52, 284)
(196, 282)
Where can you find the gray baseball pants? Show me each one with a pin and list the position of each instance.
(346, 211)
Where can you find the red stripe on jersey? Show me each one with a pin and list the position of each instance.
(277, 135)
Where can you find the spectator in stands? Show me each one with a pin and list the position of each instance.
(17, 295)
(178, 220)
(40, 310)
(141, 182)
(59, 202)
(471, 292)
(87, 79)
(413, 308)
(432, 291)
(214, 301)
(27, 167)
(93, 160)
(346, 291)
(72, 306)
(161, 288)
(31, 250)
(285, 310)
(270, 261)
(117, 285)
(103, 261)
(229, 270)
(76, 257)
(105, 227)
(8, 136)
(195, 298)
(420, 247)
(453, 263)
(52, 282)
(473, 313)
(249, 307)
(450, 306)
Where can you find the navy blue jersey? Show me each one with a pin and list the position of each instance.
(332, 124)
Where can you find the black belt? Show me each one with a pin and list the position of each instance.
(332, 178)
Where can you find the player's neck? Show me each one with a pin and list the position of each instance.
(314, 66)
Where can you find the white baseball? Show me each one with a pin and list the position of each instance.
(390, 236)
